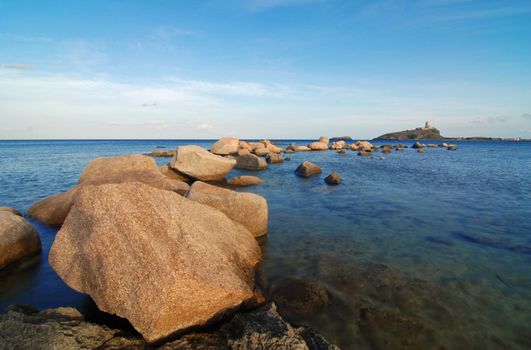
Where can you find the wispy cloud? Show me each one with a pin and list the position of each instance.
(205, 126)
(170, 32)
(491, 120)
(149, 104)
(26, 38)
(84, 54)
(154, 124)
(18, 66)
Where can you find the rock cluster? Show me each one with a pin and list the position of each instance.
(164, 262)
(24, 327)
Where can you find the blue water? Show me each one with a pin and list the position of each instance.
(415, 251)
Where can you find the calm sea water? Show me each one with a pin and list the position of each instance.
(418, 250)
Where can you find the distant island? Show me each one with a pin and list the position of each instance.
(429, 132)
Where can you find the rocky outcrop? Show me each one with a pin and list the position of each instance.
(225, 146)
(24, 327)
(323, 139)
(18, 238)
(161, 261)
(245, 180)
(132, 168)
(307, 169)
(250, 162)
(197, 163)
(333, 179)
(338, 145)
(248, 209)
(318, 146)
(416, 134)
(364, 146)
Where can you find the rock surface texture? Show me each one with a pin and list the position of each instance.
(196, 162)
(225, 146)
(132, 168)
(248, 209)
(18, 238)
(65, 328)
(161, 261)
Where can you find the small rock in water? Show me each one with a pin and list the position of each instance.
(307, 169)
(418, 145)
(421, 150)
(364, 154)
(341, 151)
(452, 148)
(295, 296)
(382, 158)
(287, 159)
(274, 158)
(333, 179)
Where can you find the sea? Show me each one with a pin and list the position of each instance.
(418, 250)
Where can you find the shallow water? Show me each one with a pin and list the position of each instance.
(415, 251)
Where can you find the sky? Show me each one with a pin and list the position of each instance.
(263, 68)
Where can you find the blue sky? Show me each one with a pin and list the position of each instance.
(263, 68)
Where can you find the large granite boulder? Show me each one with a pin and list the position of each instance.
(248, 209)
(307, 169)
(163, 262)
(250, 162)
(24, 327)
(318, 146)
(18, 238)
(245, 180)
(225, 146)
(196, 162)
(172, 174)
(132, 168)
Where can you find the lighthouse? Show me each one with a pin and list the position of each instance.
(428, 126)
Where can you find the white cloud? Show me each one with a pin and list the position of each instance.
(170, 32)
(20, 66)
(491, 120)
(205, 126)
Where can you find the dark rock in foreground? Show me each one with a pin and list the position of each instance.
(65, 328)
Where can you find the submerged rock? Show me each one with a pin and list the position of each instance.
(245, 180)
(161, 261)
(18, 239)
(250, 162)
(307, 169)
(248, 209)
(365, 154)
(296, 297)
(196, 162)
(333, 179)
(65, 328)
(421, 150)
(225, 146)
